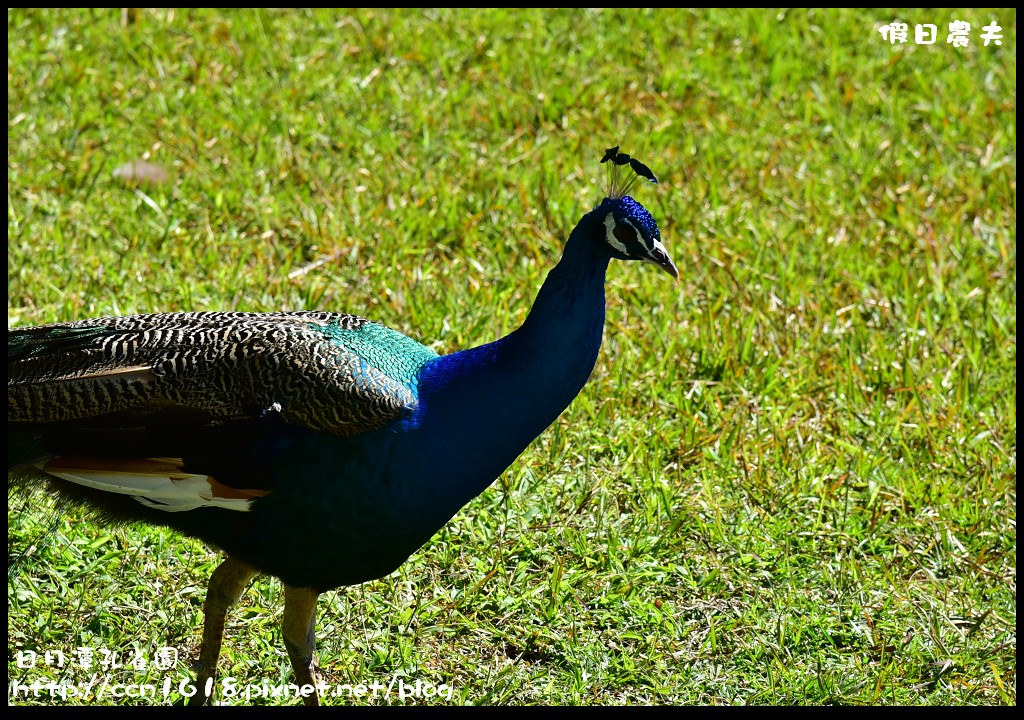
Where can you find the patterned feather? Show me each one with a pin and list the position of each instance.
(327, 372)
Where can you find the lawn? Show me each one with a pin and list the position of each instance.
(792, 475)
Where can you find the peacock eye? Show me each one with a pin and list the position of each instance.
(626, 234)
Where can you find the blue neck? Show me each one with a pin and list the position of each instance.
(480, 408)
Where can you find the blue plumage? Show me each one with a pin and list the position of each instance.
(320, 448)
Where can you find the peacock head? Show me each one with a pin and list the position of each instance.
(629, 230)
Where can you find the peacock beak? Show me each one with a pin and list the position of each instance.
(659, 256)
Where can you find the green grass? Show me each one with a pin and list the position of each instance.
(792, 477)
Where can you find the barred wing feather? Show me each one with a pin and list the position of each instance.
(328, 372)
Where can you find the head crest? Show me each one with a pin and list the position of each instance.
(619, 186)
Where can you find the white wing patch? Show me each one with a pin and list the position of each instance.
(159, 483)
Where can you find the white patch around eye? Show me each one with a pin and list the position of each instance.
(609, 234)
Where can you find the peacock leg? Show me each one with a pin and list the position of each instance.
(226, 586)
(299, 627)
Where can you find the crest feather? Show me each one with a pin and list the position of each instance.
(619, 185)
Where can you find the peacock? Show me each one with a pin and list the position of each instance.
(318, 447)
